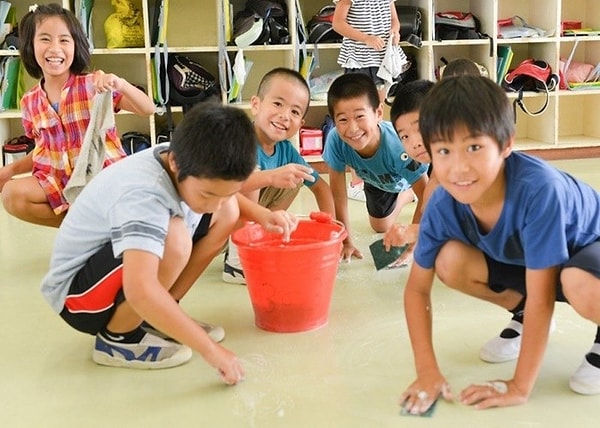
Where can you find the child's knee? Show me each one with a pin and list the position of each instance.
(11, 197)
(582, 291)
(448, 264)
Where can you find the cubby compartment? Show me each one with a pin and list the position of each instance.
(100, 13)
(585, 11)
(482, 10)
(11, 126)
(262, 60)
(586, 51)
(131, 67)
(538, 13)
(535, 132)
(192, 24)
(578, 124)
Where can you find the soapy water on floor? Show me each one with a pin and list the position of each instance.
(259, 394)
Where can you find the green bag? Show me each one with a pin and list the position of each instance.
(10, 81)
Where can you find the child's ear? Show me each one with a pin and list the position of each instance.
(508, 148)
(379, 112)
(172, 163)
(254, 104)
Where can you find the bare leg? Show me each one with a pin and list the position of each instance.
(25, 199)
(582, 290)
(176, 255)
(463, 268)
(381, 225)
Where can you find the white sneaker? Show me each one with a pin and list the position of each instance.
(356, 192)
(501, 350)
(232, 274)
(586, 379)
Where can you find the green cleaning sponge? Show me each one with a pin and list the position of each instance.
(383, 258)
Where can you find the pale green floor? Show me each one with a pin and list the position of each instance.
(348, 373)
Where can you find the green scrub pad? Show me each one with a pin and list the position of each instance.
(427, 413)
(383, 258)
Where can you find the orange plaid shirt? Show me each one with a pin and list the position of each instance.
(59, 134)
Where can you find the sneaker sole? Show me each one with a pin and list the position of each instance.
(230, 279)
(182, 356)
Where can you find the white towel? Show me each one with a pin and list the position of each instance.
(394, 62)
(91, 155)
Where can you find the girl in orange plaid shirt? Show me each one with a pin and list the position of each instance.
(56, 113)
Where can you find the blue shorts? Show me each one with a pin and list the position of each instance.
(97, 289)
(502, 276)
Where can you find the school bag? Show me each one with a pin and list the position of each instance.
(320, 27)
(531, 75)
(133, 142)
(411, 30)
(189, 82)
(272, 17)
(455, 25)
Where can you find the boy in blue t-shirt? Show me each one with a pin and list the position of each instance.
(363, 141)
(278, 109)
(504, 227)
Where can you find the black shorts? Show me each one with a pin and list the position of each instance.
(369, 71)
(97, 288)
(502, 276)
(380, 203)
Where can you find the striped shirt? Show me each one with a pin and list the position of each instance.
(58, 134)
(373, 17)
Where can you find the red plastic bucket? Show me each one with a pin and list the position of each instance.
(290, 284)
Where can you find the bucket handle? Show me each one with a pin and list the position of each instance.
(323, 217)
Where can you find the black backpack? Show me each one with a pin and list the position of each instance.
(134, 142)
(457, 26)
(320, 27)
(274, 16)
(189, 82)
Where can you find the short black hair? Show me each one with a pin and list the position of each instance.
(214, 141)
(27, 28)
(352, 85)
(461, 67)
(475, 102)
(409, 98)
(287, 73)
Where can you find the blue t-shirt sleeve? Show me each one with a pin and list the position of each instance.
(333, 152)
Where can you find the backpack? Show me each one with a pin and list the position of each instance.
(320, 27)
(457, 26)
(189, 82)
(262, 22)
(411, 28)
(531, 75)
(134, 142)
(15, 147)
